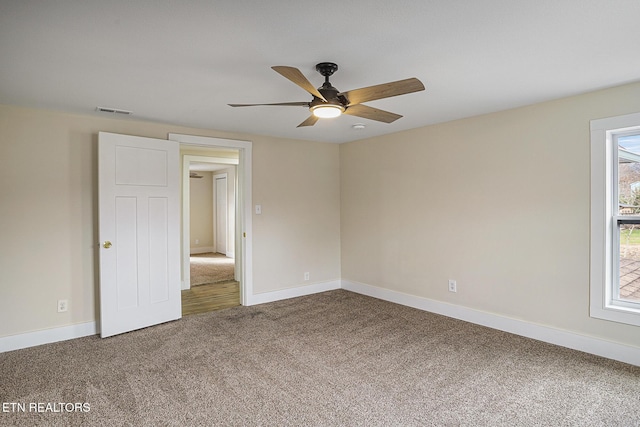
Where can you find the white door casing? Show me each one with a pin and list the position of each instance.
(221, 213)
(243, 219)
(139, 214)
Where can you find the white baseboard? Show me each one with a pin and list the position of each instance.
(599, 347)
(294, 292)
(201, 250)
(46, 336)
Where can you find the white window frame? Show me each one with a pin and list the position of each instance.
(604, 221)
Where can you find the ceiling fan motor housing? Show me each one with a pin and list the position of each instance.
(332, 96)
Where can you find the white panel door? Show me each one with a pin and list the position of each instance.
(139, 216)
(221, 215)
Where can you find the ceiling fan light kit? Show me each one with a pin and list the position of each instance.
(329, 102)
(327, 111)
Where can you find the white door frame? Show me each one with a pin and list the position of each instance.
(216, 177)
(244, 228)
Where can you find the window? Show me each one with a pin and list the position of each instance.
(615, 219)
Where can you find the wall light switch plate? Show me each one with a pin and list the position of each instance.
(258, 209)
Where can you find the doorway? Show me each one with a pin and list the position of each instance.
(212, 199)
(243, 239)
(209, 269)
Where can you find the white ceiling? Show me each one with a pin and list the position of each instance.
(182, 62)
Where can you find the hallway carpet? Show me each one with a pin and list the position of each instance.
(211, 268)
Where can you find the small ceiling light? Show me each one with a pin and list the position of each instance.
(327, 111)
(358, 126)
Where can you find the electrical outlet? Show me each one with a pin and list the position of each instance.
(453, 286)
(306, 276)
(197, 241)
(63, 305)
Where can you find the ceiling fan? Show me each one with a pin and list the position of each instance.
(330, 102)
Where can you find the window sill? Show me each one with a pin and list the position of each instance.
(616, 313)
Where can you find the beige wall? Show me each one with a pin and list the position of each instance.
(299, 191)
(201, 211)
(499, 203)
(48, 212)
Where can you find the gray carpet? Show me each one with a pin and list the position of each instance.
(210, 268)
(330, 359)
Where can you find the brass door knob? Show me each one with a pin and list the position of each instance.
(106, 244)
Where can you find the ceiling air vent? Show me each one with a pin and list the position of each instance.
(113, 111)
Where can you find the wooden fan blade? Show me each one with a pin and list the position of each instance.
(281, 104)
(371, 113)
(311, 120)
(298, 78)
(384, 90)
